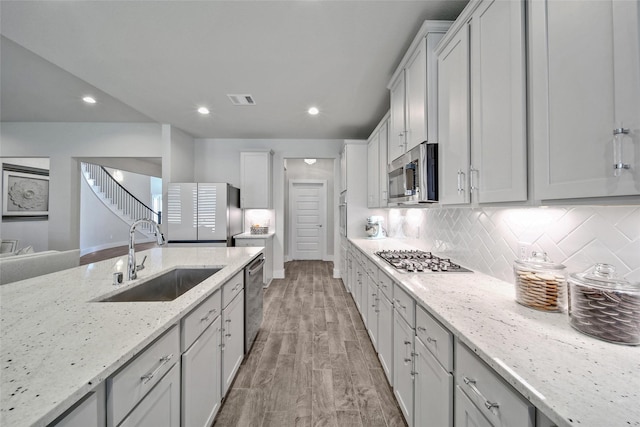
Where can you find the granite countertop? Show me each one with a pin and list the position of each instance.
(57, 345)
(248, 235)
(572, 378)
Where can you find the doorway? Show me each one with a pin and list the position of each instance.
(307, 219)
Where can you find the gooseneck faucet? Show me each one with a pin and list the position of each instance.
(132, 268)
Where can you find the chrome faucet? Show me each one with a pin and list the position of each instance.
(132, 268)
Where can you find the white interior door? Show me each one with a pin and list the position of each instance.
(308, 211)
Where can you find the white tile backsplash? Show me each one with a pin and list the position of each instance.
(487, 239)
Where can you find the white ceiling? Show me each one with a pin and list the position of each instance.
(160, 60)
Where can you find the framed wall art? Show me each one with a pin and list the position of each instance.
(24, 194)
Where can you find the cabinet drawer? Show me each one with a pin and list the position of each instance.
(372, 269)
(437, 339)
(194, 323)
(250, 242)
(232, 288)
(386, 285)
(497, 401)
(404, 304)
(126, 388)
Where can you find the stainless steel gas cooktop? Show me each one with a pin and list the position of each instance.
(415, 261)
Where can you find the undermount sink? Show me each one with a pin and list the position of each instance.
(166, 287)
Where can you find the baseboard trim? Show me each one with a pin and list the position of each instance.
(278, 274)
(336, 273)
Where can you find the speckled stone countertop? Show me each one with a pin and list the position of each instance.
(56, 345)
(574, 379)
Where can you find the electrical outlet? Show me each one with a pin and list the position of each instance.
(524, 250)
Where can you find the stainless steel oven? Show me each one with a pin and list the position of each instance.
(413, 177)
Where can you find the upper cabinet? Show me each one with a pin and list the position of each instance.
(256, 178)
(482, 105)
(585, 82)
(377, 193)
(413, 92)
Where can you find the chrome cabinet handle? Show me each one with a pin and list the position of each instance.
(420, 328)
(473, 170)
(472, 385)
(209, 313)
(404, 307)
(163, 361)
(460, 181)
(228, 329)
(431, 340)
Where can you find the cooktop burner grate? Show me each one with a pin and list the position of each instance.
(415, 261)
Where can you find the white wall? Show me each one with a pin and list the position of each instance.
(137, 184)
(28, 232)
(64, 143)
(321, 169)
(218, 160)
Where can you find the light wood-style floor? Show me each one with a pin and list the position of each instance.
(312, 363)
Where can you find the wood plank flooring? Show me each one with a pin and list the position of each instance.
(312, 363)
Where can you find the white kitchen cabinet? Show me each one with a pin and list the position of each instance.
(89, 412)
(467, 415)
(201, 385)
(433, 390)
(354, 154)
(403, 377)
(385, 335)
(498, 169)
(453, 119)
(585, 80)
(482, 106)
(372, 311)
(267, 243)
(373, 171)
(357, 288)
(364, 296)
(161, 407)
(256, 180)
(232, 339)
(343, 171)
(413, 92)
(383, 141)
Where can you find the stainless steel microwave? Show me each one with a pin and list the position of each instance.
(413, 177)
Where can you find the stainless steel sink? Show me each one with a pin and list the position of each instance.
(166, 287)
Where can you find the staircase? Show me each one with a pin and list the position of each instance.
(120, 201)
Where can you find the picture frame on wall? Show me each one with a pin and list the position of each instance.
(24, 194)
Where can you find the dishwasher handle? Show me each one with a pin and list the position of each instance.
(256, 266)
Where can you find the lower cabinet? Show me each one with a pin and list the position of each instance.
(403, 376)
(161, 407)
(467, 415)
(372, 311)
(232, 339)
(201, 385)
(433, 390)
(89, 412)
(385, 335)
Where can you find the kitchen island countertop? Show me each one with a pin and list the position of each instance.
(572, 378)
(57, 345)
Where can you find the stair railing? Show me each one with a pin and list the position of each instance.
(129, 204)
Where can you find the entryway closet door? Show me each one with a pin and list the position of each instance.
(307, 219)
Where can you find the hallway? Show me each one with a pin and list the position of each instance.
(312, 363)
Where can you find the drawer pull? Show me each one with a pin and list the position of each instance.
(420, 328)
(472, 385)
(404, 307)
(431, 340)
(163, 361)
(206, 318)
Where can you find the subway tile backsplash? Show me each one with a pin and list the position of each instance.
(488, 239)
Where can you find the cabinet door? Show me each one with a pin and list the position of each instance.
(383, 139)
(416, 93)
(364, 296)
(585, 80)
(397, 142)
(498, 171)
(467, 415)
(201, 367)
(453, 119)
(357, 290)
(232, 340)
(161, 407)
(403, 366)
(372, 312)
(434, 390)
(373, 172)
(256, 180)
(385, 336)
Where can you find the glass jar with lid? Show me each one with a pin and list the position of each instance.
(604, 305)
(540, 283)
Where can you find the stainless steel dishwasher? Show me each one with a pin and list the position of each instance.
(253, 291)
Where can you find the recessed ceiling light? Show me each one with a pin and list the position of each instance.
(313, 111)
(203, 110)
(309, 161)
(89, 99)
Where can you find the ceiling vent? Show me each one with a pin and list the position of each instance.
(242, 99)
